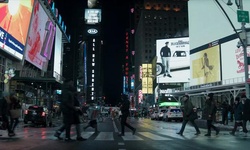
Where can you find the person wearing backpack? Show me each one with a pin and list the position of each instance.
(209, 114)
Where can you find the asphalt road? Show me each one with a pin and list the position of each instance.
(150, 135)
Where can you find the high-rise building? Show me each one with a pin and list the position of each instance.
(152, 20)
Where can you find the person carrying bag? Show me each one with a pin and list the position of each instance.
(15, 111)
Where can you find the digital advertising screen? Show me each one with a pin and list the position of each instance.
(232, 59)
(40, 38)
(14, 25)
(173, 60)
(206, 66)
(58, 54)
(93, 16)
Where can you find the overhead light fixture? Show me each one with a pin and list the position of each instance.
(229, 3)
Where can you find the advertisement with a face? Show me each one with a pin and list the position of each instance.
(205, 66)
(40, 38)
(232, 62)
(14, 25)
(173, 60)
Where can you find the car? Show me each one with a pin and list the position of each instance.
(153, 115)
(37, 115)
(173, 114)
(159, 115)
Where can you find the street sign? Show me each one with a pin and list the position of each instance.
(243, 16)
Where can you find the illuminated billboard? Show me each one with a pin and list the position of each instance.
(147, 79)
(14, 25)
(232, 59)
(205, 66)
(58, 55)
(173, 60)
(40, 38)
(93, 16)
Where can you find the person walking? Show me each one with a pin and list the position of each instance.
(4, 112)
(209, 114)
(245, 113)
(15, 112)
(92, 115)
(165, 54)
(238, 109)
(225, 110)
(68, 109)
(188, 112)
(125, 113)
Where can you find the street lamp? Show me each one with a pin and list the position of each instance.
(243, 39)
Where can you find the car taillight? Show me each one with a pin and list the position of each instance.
(26, 112)
(43, 114)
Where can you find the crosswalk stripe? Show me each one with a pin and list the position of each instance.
(129, 137)
(153, 136)
(105, 136)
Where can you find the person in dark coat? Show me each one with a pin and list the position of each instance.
(4, 112)
(209, 114)
(68, 108)
(187, 115)
(246, 113)
(14, 104)
(125, 113)
(238, 109)
(225, 110)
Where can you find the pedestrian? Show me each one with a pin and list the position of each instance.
(15, 111)
(4, 112)
(246, 113)
(188, 115)
(225, 110)
(68, 109)
(125, 113)
(93, 113)
(209, 113)
(165, 57)
(238, 116)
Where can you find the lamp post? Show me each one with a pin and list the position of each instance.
(243, 40)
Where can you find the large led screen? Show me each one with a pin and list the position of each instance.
(14, 25)
(232, 60)
(58, 54)
(173, 60)
(93, 16)
(205, 66)
(40, 38)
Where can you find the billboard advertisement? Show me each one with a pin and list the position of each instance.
(206, 66)
(40, 38)
(233, 62)
(147, 79)
(14, 25)
(58, 54)
(93, 16)
(173, 60)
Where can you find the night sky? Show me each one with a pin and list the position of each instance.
(114, 24)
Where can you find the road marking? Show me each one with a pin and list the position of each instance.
(153, 136)
(105, 136)
(129, 137)
(115, 127)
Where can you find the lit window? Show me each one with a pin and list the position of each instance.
(93, 64)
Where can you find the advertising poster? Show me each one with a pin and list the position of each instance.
(173, 60)
(40, 39)
(232, 60)
(206, 66)
(14, 25)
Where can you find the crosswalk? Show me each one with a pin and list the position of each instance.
(112, 136)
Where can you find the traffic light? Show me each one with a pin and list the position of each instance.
(4, 1)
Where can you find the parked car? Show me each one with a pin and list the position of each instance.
(153, 115)
(173, 114)
(37, 115)
(159, 115)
